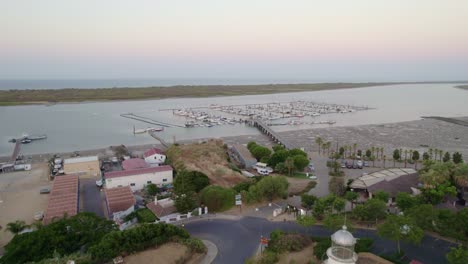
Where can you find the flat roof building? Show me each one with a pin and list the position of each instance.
(137, 179)
(63, 198)
(83, 166)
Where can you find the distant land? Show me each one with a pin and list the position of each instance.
(50, 96)
(43, 96)
(465, 87)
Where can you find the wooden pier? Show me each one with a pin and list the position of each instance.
(270, 133)
(16, 151)
(163, 142)
(149, 120)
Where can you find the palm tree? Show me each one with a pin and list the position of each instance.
(461, 175)
(319, 142)
(373, 151)
(328, 147)
(354, 149)
(436, 151)
(410, 154)
(441, 152)
(345, 147)
(384, 158)
(381, 151)
(16, 227)
(430, 153)
(289, 164)
(406, 153)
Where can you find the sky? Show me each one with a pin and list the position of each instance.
(333, 40)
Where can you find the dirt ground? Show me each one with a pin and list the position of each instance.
(301, 257)
(168, 253)
(297, 185)
(20, 198)
(210, 158)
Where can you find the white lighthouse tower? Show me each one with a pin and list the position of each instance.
(342, 248)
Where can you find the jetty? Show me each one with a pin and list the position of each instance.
(148, 120)
(448, 120)
(265, 129)
(163, 142)
(16, 151)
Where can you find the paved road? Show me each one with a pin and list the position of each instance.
(91, 196)
(239, 240)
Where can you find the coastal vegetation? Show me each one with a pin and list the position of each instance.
(91, 239)
(18, 97)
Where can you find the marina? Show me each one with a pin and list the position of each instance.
(100, 124)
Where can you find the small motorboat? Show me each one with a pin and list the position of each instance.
(26, 141)
(13, 140)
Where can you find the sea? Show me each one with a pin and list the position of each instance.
(90, 125)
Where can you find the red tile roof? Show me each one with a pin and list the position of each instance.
(116, 174)
(119, 199)
(153, 151)
(132, 164)
(63, 198)
(161, 211)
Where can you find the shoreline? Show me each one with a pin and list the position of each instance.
(415, 134)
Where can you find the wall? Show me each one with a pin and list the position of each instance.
(90, 168)
(156, 159)
(141, 180)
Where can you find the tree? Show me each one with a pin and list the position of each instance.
(431, 151)
(371, 210)
(381, 195)
(368, 153)
(190, 181)
(217, 198)
(351, 197)
(406, 153)
(308, 201)
(289, 164)
(278, 157)
(16, 227)
(436, 173)
(457, 157)
(396, 156)
(342, 150)
(415, 158)
(384, 159)
(260, 151)
(426, 156)
(296, 151)
(354, 149)
(335, 221)
(300, 162)
(277, 148)
(458, 255)
(305, 220)
(271, 187)
(405, 201)
(251, 145)
(441, 152)
(327, 146)
(423, 215)
(435, 195)
(336, 186)
(280, 168)
(399, 228)
(359, 153)
(151, 189)
(319, 142)
(460, 175)
(185, 202)
(446, 157)
(65, 236)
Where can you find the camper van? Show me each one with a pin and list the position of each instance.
(263, 169)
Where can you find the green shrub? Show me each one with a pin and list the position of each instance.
(217, 198)
(135, 239)
(233, 167)
(145, 215)
(195, 245)
(288, 243)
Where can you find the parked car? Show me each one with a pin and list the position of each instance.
(349, 165)
(359, 164)
(99, 183)
(366, 164)
(311, 167)
(44, 191)
(343, 164)
(313, 177)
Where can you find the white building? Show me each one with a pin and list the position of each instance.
(137, 179)
(342, 248)
(154, 156)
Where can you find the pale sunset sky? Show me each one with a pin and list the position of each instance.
(332, 40)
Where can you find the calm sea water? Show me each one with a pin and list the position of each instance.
(83, 126)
